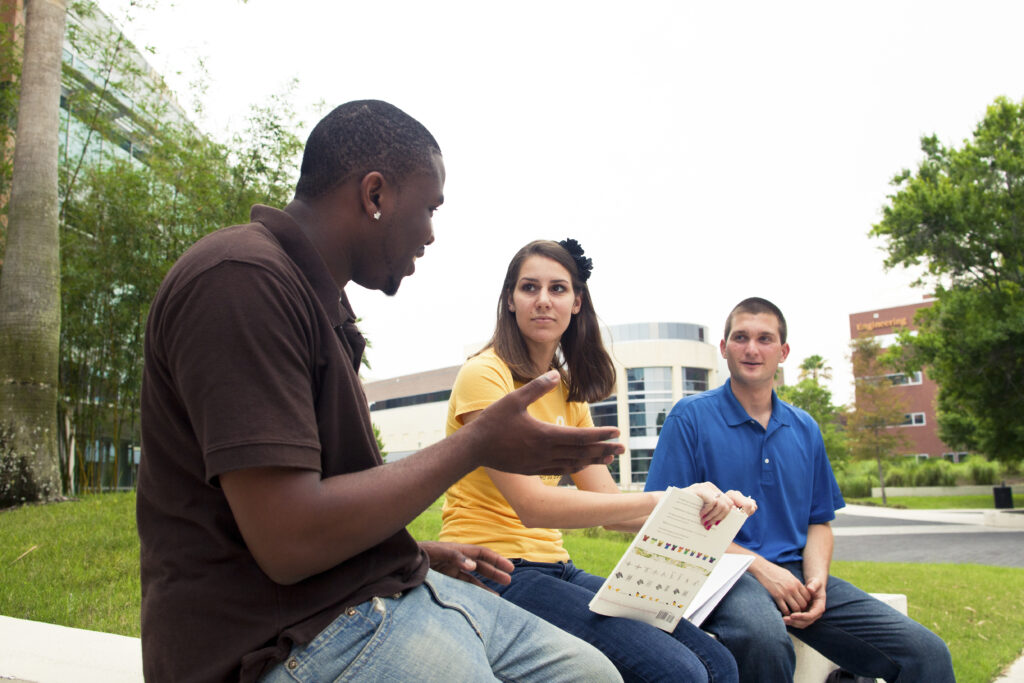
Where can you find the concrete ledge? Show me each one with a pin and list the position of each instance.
(1005, 519)
(35, 652)
(814, 667)
(900, 491)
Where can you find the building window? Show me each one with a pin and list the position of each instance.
(955, 457)
(414, 400)
(653, 331)
(649, 393)
(913, 419)
(695, 380)
(900, 379)
(605, 413)
(640, 464)
(613, 468)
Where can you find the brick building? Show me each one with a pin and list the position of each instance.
(920, 392)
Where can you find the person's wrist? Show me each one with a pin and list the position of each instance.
(470, 446)
(759, 567)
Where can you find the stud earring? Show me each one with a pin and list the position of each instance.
(376, 216)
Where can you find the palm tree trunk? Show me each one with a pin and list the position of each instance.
(30, 280)
(881, 476)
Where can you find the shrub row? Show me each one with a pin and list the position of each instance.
(857, 479)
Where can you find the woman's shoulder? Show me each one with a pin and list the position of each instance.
(485, 364)
(487, 358)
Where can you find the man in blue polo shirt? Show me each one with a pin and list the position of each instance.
(741, 436)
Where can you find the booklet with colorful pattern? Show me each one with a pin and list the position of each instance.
(675, 568)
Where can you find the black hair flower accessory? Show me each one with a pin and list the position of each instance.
(583, 264)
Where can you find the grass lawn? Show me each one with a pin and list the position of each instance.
(76, 564)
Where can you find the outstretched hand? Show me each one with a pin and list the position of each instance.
(511, 440)
(459, 559)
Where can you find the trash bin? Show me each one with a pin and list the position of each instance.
(1004, 497)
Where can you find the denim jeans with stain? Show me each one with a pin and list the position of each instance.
(442, 630)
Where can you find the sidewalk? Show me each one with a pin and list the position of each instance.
(1015, 674)
(963, 517)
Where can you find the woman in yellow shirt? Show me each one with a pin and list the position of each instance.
(544, 308)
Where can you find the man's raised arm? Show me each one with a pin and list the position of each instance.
(297, 524)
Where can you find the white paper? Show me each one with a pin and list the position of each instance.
(730, 568)
(670, 560)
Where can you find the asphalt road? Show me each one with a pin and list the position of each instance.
(954, 536)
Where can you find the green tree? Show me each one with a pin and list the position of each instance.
(10, 70)
(879, 408)
(125, 225)
(810, 395)
(138, 185)
(118, 115)
(30, 279)
(961, 215)
(380, 443)
(815, 367)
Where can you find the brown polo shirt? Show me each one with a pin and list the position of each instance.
(251, 360)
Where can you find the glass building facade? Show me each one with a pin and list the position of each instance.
(656, 365)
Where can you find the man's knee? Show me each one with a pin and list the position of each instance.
(929, 659)
(749, 624)
(763, 640)
(589, 664)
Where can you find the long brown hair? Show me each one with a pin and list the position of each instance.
(585, 364)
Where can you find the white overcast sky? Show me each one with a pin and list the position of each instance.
(700, 152)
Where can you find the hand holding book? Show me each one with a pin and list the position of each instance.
(659, 577)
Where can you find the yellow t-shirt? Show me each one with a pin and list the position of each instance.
(474, 510)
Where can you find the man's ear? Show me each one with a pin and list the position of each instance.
(721, 347)
(372, 186)
(785, 353)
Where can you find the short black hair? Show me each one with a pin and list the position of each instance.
(755, 305)
(359, 137)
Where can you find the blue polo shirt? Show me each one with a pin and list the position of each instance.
(710, 437)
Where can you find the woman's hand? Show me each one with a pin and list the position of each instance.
(717, 504)
(745, 503)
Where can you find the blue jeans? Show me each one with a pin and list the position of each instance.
(861, 634)
(560, 593)
(442, 630)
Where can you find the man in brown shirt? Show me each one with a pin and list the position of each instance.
(273, 542)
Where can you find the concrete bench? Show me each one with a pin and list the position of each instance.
(35, 652)
(814, 667)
